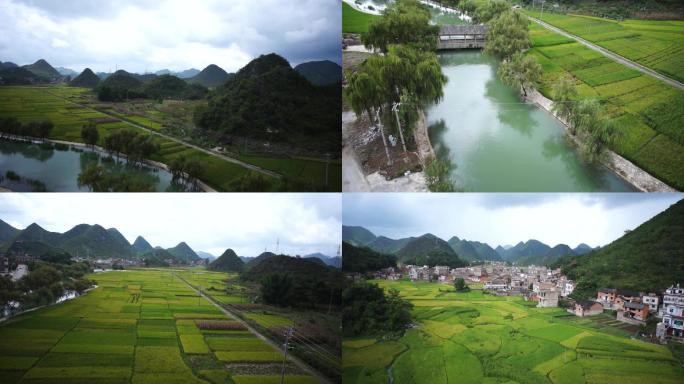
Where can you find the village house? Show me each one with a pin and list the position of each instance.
(672, 312)
(633, 312)
(548, 298)
(566, 287)
(586, 308)
(496, 285)
(652, 300)
(4, 264)
(606, 296)
(626, 296)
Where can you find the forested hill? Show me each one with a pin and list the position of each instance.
(646, 259)
(268, 100)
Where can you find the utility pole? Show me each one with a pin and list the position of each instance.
(541, 15)
(327, 163)
(288, 335)
(395, 108)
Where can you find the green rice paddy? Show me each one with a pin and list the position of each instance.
(647, 113)
(137, 327)
(477, 338)
(658, 45)
(354, 21)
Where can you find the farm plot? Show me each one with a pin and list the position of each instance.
(464, 340)
(658, 45)
(646, 112)
(126, 331)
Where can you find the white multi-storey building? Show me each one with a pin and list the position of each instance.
(652, 300)
(672, 312)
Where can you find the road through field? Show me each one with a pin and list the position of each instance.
(212, 153)
(300, 363)
(611, 55)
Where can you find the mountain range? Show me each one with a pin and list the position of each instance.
(319, 73)
(86, 241)
(407, 249)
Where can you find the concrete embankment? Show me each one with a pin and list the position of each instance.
(624, 168)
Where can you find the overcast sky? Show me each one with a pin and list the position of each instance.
(305, 223)
(506, 219)
(176, 34)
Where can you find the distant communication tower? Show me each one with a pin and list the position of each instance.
(277, 246)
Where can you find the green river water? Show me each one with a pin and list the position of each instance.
(495, 142)
(58, 170)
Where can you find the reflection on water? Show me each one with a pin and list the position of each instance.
(496, 142)
(57, 168)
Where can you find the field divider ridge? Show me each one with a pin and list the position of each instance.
(300, 363)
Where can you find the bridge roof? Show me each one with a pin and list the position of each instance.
(463, 30)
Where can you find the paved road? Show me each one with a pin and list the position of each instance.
(208, 152)
(611, 55)
(300, 363)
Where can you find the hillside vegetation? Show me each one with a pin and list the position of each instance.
(227, 262)
(268, 100)
(647, 259)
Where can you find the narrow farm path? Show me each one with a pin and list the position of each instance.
(208, 152)
(297, 361)
(611, 55)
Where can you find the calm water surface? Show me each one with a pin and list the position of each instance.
(59, 169)
(495, 142)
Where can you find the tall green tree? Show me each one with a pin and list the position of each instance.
(403, 22)
(489, 10)
(520, 71)
(507, 34)
(364, 93)
(564, 98)
(89, 134)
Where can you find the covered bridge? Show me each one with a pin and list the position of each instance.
(461, 36)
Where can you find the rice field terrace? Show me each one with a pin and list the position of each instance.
(477, 338)
(316, 335)
(658, 45)
(140, 326)
(63, 106)
(648, 113)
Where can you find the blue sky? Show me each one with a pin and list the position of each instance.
(139, 35)
(506, 218)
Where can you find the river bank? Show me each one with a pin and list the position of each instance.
(101, 151)
(624, 168)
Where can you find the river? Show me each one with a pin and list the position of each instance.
(496, 142)
(60, 173)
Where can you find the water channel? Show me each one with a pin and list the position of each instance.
(59, 174)
(496, 142)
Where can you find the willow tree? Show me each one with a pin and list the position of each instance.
(520, 71)
(596, 131)
(411, 77)
(489, 10)
(584, 117)
(366, 96)
(507, 34)
(402, 22)
(564, 98)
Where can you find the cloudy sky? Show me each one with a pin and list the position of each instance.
(506, 219)
(247, 223)
(139, 35)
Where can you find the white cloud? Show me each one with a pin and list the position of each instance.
(506, 218)
(174, 34)
(59, 43)
(247, 223)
